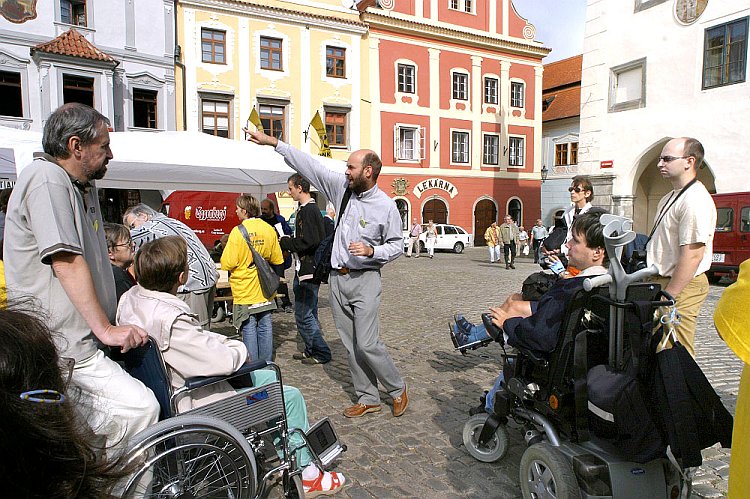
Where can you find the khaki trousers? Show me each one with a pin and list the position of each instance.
(688, 304)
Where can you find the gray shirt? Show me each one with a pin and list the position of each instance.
(370, 217)
(203, 274)
(539, 232)
(48, 214)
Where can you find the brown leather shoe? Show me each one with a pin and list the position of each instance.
(400, 403)
(359, 410)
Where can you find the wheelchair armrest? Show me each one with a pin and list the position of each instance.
(533, 356)
(245, 369)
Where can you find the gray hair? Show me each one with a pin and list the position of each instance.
(69, 120)
(139, 209)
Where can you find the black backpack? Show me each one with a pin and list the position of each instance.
(322, 257)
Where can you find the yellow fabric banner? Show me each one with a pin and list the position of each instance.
(320, 128)
(254, 118)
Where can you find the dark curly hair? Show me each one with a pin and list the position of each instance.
(46, 448)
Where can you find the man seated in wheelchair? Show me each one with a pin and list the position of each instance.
(538, 331)
(188, 350)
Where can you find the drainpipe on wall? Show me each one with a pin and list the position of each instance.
(179, 64)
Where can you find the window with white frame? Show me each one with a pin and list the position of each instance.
(272, 117)
(627, 86)
(459, 147)
(490, 90)
(516, 94)
(145, 104)
(215, 117)
(515, 151)
(73, 12)
(406, 82)
(462, 5)
(491, 149)
(336, 128)
(574, 153)
(725, 54)
(561, 154)
(460, 86)
(408, 142)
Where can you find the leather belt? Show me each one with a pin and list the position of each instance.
(347, 270)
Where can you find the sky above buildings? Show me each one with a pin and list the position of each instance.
(559, 25)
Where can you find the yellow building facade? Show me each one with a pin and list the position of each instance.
(288, 59)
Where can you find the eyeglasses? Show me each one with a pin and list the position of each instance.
(125, 245)
(669, 159)
(576, 189)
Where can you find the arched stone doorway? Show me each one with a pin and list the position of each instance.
(515, 210)
(650, 187)
(435, 210)
(485, 212)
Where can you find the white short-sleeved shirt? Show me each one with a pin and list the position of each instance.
(48, 214)
(691, 219)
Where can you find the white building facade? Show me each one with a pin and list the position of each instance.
(657, 69)
(124, 68)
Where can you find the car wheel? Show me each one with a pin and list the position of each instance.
(458, 248)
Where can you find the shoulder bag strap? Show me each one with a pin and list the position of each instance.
(245, 235)
(344, 203)
(668, 206)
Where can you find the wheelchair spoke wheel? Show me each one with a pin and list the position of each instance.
(191, 457)
(492, 451)
(547, 474)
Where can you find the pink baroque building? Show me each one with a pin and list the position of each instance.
(455, 89)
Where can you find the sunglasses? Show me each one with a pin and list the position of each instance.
(669, 159)
(576, 189)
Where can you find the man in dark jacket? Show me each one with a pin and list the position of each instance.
(120, 249)
(308, 233)
(268, 214)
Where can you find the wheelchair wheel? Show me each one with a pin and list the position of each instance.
(191, 456)
(547, 473)
(494, 450)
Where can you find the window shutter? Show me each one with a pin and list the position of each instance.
(421, 138)
(396, 143)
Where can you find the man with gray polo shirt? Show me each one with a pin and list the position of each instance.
(55, 252)
(368, 236)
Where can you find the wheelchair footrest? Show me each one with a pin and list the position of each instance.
(324, 441)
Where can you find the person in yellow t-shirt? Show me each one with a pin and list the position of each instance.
(3, 294)
(733, 323)
(251, 310)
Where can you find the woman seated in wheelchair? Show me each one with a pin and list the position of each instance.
(188, 350)
(46, 447)
(525, 317)
(538, 331)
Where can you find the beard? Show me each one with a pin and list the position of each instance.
(94, 174)
(358, 185)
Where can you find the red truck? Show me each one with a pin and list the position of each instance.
(732, 235)
(209, 214)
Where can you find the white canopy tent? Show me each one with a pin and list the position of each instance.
(17, 147)
(176, 161)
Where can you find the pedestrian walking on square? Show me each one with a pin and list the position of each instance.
(368, 236)
(509, 237)
(55, 252)
(523, 240)
(538, 234)
(309, 231)
(682, 237)
(431, 239)
(492, 236)
(416, 230)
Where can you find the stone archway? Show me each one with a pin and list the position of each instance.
(435, 210)
(485, 212)
(403, 211)
(649, 187)
(515, 210)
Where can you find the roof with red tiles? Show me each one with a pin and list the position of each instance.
(561, 73)
(73, 44)
(565, 103)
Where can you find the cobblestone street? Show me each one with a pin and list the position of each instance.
(421, 454)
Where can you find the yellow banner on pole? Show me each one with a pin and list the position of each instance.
(254, 118)
(320, 128)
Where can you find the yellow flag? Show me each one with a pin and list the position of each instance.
(254, 118)
(317, 124)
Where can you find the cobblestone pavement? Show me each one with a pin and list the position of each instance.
(421, 454)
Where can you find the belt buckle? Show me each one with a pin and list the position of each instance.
(344, 270)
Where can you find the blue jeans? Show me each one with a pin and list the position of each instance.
(306, 317)
(257, 335)
(489, 402)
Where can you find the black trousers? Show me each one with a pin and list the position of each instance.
(509, 251)
(535, 248)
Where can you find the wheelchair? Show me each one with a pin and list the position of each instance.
(563, 459)
(226, 449)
